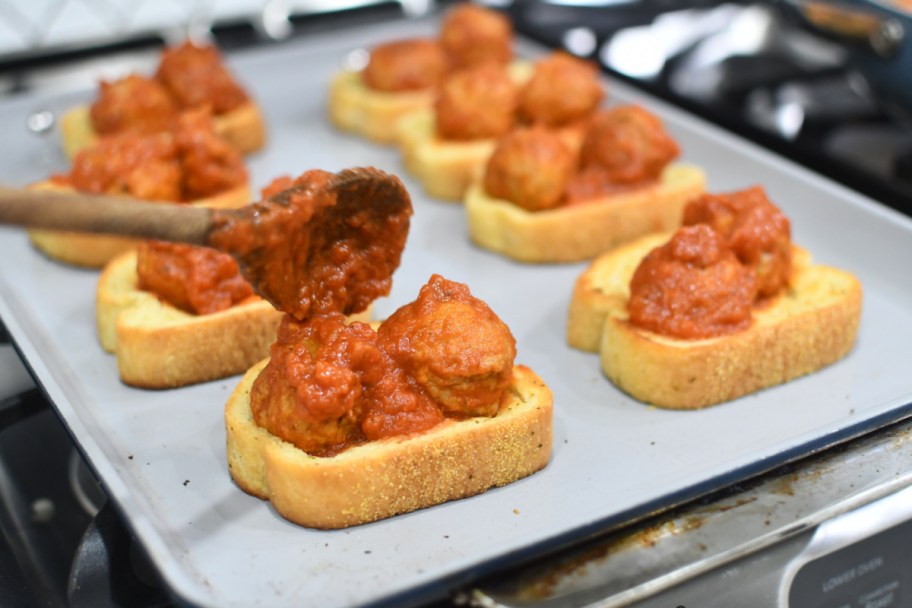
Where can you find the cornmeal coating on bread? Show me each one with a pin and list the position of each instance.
(379, 479)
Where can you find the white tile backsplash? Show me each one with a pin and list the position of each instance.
(32, 25)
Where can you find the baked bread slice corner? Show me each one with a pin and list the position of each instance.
(379, 479)
(581, 232)
(159, 346)
(355, 108)
(444, 168)
(812, 324)
(244, 128)
(96, 250)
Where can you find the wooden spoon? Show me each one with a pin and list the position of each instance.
(330, 243)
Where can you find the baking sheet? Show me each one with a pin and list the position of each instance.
(161, 456)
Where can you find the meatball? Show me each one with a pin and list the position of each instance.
(134, 104)
(195, 76)
(756, 230)
(309, 393)
(472, 35)
(141, 166)
(476, 103)
(530, 167)
(563, 89)
(405, 65)
(197, 280)
(210, 164)
(396, 405)
(629, 144)
(692, 287)
(453, 346)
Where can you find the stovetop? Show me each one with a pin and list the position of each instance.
(787, 90)
(751, 68)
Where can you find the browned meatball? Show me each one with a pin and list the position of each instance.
(196, 76)
(629, 144)
(453, 346)
(530, 167)
(310, 392)
(133, 103)
(142, 166)
(405, 65)
(473, 34)
(756, 230)
(210, 164)
(692, 287)
(563, 89)
(476, 103)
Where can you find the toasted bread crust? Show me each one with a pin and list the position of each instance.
(603, 289)
(811, 325)
(244, 128)
(159, 346)
(383, 478)
(96, 250)
(580, 232)
(355, 108)
(444, 168)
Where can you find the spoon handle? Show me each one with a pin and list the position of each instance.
(105, 214)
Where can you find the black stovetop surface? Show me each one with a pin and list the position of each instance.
(748, 67)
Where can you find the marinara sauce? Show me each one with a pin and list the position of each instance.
(197, 280)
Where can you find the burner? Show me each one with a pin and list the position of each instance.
(753, 68)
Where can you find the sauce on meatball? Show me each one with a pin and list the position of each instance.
(405, 65)
(755, 229)
(329, 385)
(472, 35)
(197, 280)
(531, 168)
(563, 89)
(692, 287)
(189, 163)
(628, 144)
(132, 103)
(196, 76)
(476, 103)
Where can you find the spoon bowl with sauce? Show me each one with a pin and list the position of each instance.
(329, 242)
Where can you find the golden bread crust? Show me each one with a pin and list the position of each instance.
(811, 325)
(244, 128)
(384, 478)
(444, 168)
(580, 232)
(96, 250)
(76, 130)
(355, 108)
(159, 346)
